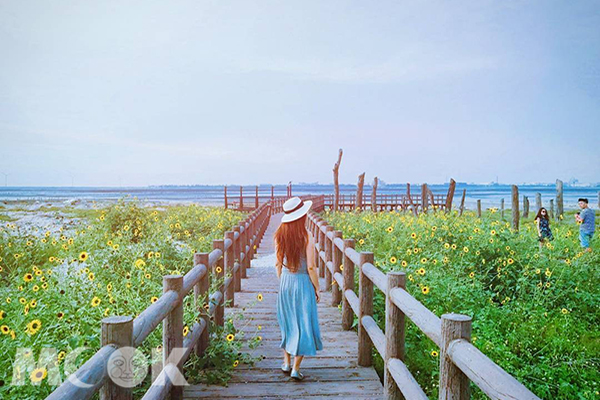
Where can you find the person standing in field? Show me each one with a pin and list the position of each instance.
(542, 221)
(587, 218)
(298, 287)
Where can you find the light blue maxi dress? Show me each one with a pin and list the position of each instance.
(297, 312)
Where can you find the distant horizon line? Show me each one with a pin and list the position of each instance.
(567, 183)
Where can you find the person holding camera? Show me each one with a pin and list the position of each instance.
(587, 218)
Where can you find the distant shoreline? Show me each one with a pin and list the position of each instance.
(490, 195)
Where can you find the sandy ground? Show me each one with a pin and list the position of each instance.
(36, 217)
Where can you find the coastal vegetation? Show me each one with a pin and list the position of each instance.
(535, 313)
(59, 282)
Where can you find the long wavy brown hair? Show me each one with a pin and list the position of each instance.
(291, 239)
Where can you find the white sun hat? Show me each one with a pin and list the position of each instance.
(294, 209)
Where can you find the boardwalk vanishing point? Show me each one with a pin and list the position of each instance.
(334, 372)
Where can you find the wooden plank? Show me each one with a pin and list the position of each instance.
(320, 375)
(308, 362)
(300, 390)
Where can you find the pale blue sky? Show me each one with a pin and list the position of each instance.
(208, 92)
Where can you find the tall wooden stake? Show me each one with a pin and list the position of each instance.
(358, 205)
(336, 182)
(538, 201)
(374, 195)
(515, 207)
(559, 199)
(450, 195)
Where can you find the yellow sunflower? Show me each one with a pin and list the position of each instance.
(96, 302)
(34, 326)
(38, 375)
(230, 337)
(83, 256)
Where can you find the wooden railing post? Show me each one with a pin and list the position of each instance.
(478, 208)
(241, 198)
(394, 334)
(173, 328)
(347, 313)
(256, 202)
(236, 257)
(525, 207)
(200, 299)
(220, 273)
(116, 331)
(243, 234)
(454, 384)
(229, 264)
(321, 248)
(365, 297)
(225, 195)
(336, 260)
(502, 208)
(328, 256)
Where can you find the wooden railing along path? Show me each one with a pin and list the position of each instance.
(460, 361)
(231, 256)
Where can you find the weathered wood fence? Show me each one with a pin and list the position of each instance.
(228, 262)
(250, 198)
(460, 361)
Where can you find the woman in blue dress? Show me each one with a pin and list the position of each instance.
(298, 288)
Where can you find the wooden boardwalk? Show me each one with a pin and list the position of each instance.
(332, 373)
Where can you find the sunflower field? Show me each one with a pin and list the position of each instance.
(535, 311)
(57, 285)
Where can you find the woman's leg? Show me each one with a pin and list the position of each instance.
(297, 361)
(286, 357)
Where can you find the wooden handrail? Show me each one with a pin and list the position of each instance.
(93, 373)
(460, 361)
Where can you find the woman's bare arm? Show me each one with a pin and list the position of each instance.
(278, 263)
(312, 270)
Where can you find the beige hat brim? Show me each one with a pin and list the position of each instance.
(299, 213)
